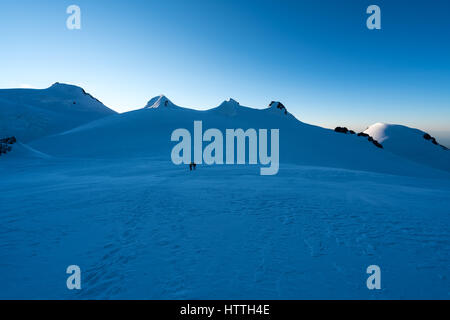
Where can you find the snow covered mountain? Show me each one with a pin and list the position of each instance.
(106, 196)
(29, 114)
(64, 120)
(145, 133)
(160, 101)
(410, 143)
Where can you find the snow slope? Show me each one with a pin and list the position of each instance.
(143, 229)
(411, 144)
(29, 114)
(21, 151)
(146, 133)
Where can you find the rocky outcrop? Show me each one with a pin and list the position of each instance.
(361, 134)
(5, 144)
(10, 140)
(341, 130)
(278, 105)
(428, 137)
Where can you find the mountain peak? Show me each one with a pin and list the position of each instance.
(32, 114)
(159, 101)
(232, 101)
(70, 90)
(64, 86)
(278, 107)
(228, 107)
(395, 133)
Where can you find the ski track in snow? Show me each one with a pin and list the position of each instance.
(148, 229)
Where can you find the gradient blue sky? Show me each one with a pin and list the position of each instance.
(317, 57)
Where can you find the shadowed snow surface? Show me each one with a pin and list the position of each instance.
(148, 229)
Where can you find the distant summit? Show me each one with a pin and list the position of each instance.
(30, 114)
(232, 108)
(64, 86)
(71, 89)
(228, 107)
(385, 132)
(160, 101)
(411, 143)
(278, 106)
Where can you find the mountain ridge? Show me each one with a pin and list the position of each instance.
(146, 132)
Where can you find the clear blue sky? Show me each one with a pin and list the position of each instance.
(317, 57)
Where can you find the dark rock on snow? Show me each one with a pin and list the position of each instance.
(361, 134)
(5, 144)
